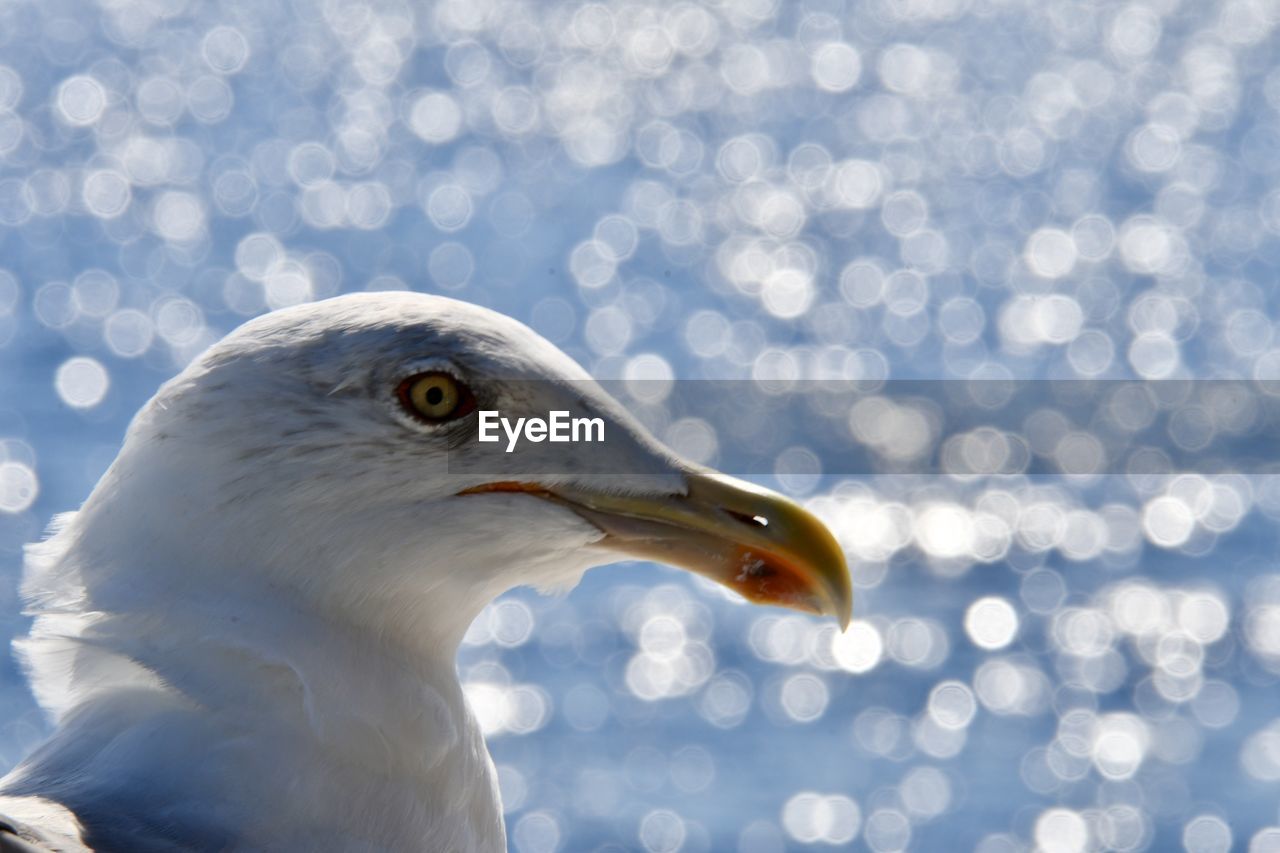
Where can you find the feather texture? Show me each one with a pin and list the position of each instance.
(246, 636)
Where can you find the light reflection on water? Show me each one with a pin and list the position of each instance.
(900, 188)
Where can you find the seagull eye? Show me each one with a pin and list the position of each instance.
(435, 397)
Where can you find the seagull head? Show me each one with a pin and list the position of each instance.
(330, 450)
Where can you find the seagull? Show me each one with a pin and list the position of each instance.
(245, 639)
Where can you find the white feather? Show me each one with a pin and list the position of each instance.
(246, 636)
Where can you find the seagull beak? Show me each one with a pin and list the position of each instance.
(768, 549)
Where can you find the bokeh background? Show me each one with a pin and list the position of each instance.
(938, 189)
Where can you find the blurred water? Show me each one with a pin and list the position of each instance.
(905, 189)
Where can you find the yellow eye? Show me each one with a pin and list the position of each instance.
(435, 397)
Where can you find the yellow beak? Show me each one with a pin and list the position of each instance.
(765, 547)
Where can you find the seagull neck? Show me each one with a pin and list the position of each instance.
(301, 727)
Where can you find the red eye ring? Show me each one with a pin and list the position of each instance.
(435, 397)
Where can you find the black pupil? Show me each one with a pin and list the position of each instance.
(434, 395)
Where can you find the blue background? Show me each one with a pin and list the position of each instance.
(756, 189)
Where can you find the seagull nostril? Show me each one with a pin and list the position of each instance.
(748, 519)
